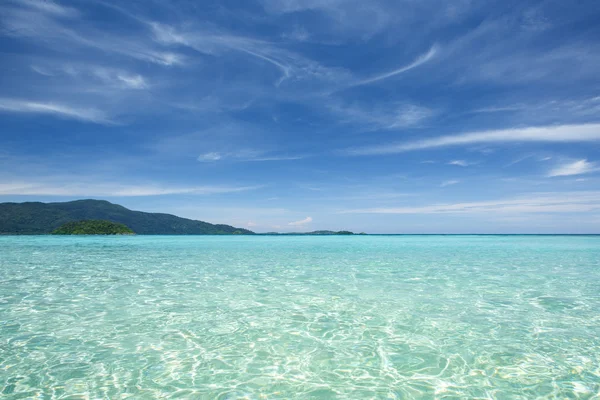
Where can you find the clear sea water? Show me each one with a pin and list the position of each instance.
(303, 317)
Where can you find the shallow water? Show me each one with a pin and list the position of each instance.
(382, 317)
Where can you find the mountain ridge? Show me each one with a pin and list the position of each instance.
(42, 218)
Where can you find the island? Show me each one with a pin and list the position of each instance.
(35, 218)
(93, 227)
(81, 217)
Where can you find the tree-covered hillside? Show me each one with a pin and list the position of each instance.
(43, 218)
(92, 227)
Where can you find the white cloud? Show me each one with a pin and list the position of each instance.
(43, 21)
(133, 81)
(246, 156)
(302, 222)
(460, 163)
(422, 59)
(42, 70)
(110, 189)
(216, 43)
(574, 168)
(381, 117)
(501, 50)
(555, 134)
(520, 159)
(551, 110)
(528, 157)
(449, 183)
(576, 202)
(209, 157)
(50, 7)
(345, 19)
(495, 109)
(33, 107)
(276, 158)
(107, 76)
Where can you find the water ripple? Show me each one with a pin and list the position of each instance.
(389, 317)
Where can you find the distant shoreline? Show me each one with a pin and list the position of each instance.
(318, 234)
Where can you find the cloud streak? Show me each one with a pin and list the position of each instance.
(551, 134)
(245, 156)
(422, 59)
(302, 222)
(573, 202)
(574, 168)
(211, 42)
(111, 190)
(386, 117)
(60, 110)
(210, 157)
(112, 77)
(45, 22)
(449, 183)
(460, 163)
(50, 7)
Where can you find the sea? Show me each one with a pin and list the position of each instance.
(300, 317)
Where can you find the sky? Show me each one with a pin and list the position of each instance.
(376, 116)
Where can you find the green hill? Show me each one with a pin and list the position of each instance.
(43, 218)
(92, 227)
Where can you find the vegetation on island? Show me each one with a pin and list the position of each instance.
(33, 218)
(93, 227)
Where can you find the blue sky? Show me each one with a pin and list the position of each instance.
(380, 116)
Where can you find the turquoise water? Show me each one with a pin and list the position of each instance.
(363, 317)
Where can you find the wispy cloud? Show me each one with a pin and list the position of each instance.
(528, 157)
(345, 19)
(548, 110)
(209, 41)
(111, 189)
(133, 81)
(43, 22)
(460, 163)
(552, 134)
(422, 59)
(381, 117)
(478, 55)
(496, 109)
(276, 158)
(60, 110)
(579, 202)
(520, 159)
(449, 183)
(246, 156)
(114, 77)
(210, 157)
(302, 222)
(48, 6)
(574, 168)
